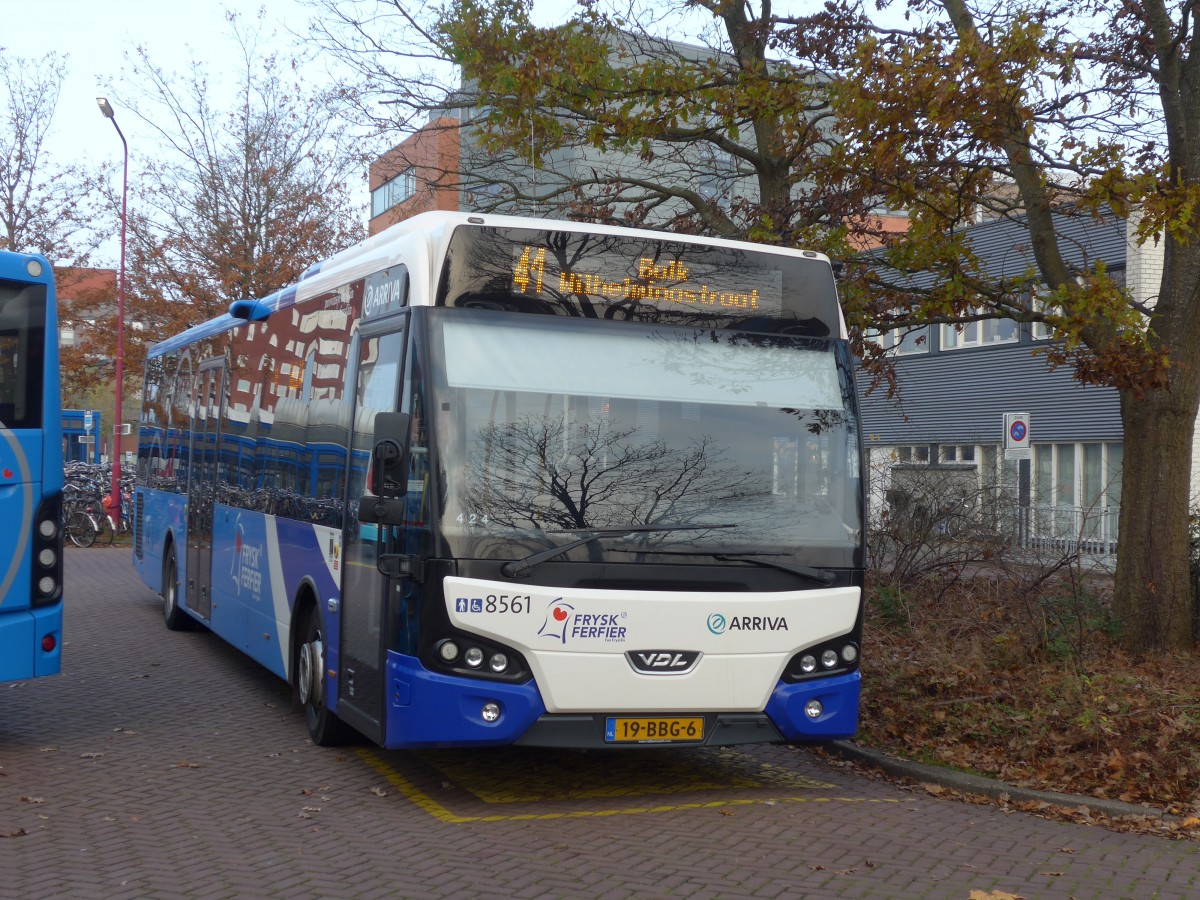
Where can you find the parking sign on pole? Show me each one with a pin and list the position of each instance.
(1016, 436)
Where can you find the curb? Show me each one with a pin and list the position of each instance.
(986, 787)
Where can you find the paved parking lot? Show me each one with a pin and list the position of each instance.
(164, 764)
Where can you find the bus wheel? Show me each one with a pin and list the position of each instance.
(174, 617)
(324, 727)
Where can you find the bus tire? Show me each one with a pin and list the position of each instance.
(308, 685)
(173, 616)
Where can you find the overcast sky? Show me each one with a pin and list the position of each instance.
(96, 36)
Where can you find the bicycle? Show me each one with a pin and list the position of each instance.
(79, 527)
(116, 519)
(84, 524)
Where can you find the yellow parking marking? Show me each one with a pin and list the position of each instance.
(423, 801)
(500, 777)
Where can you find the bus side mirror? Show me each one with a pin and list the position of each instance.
(389, 459)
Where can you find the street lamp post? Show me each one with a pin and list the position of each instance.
(115, 498)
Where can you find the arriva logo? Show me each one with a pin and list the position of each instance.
(719, 624)
(385, 292)
(381, 296)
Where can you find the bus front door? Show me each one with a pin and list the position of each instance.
(369, 598)
(206, 421)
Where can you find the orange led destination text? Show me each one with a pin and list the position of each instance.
(530, 271)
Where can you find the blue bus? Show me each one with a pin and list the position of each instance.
(486, 480)
(31, 471)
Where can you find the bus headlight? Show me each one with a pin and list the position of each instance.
(476, 657)
(833, 657)
(47, 557)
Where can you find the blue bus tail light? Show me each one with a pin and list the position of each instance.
(47, 553)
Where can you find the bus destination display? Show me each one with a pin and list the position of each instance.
(611, 278)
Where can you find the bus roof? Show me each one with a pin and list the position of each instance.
(26, 267)
(386, 249)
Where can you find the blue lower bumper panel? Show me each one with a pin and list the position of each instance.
(838, 718)
(426, 709)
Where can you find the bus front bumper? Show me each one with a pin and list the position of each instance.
(427, 709)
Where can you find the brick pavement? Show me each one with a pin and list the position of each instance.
(165, 764)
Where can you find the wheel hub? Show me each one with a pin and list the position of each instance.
(312, 664)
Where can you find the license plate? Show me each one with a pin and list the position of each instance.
(659, 730)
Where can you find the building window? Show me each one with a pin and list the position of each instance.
(392, 192)
(1077, 475)
(911, 455)
(979, 334)
(1041, 331)
(1064, 474)
(1043, 474)
(1077, 491)
(902, 341)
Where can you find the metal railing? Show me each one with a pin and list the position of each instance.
(1063, 529)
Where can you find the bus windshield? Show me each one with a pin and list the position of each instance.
(547, 428)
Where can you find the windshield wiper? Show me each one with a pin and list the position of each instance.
(820, 576)
(519, 567)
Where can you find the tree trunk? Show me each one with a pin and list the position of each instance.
(1154, 602)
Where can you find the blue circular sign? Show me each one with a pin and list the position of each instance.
(1017, 431)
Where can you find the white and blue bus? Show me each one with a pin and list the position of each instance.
(31, 471)
(487, 480)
